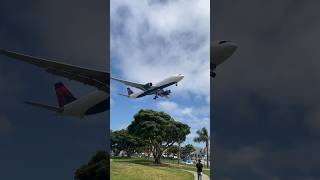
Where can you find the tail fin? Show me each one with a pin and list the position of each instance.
(63, 94)
(129, 91)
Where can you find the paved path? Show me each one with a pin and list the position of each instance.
(204, 176)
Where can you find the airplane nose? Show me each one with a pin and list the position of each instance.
(232, 47)
(180, 77)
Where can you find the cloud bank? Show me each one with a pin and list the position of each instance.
(154, 39)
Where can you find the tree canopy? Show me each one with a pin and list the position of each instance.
(123, 141)
(186, 151)
(174, 150)
(96, 169)
(159, 130)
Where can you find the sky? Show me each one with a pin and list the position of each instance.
(36, 144)
(152, 40)
(266, 97)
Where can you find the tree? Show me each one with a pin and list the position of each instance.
(174, 150)
(159, 130)
(187, 150)
(96, 169)
(203, 136)
(123, 141)
(179, 149)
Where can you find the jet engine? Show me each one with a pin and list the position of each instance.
(148, 85)
(164, 93)
(167, 92)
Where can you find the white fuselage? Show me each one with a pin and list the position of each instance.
(92, 103)
(221, 51)
(158, 86)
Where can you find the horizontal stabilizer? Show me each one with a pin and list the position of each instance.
(50, 108)
(123, 95)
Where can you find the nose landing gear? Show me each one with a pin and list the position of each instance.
(212, 68)
(213, 74)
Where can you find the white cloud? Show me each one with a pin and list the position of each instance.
(195, 117)
(167, 106)
(174, 109)
(150, 41)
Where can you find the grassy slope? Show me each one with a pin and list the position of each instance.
(144, 170)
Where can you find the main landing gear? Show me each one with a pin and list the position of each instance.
(212, 68)
(212, 74)
(155, 97)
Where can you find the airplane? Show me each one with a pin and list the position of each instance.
(156, 89)
(93, 103)
(220, 51)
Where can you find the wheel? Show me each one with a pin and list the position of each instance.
(213, 74)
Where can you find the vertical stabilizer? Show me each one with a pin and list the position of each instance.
(63, 94)
(129, 91)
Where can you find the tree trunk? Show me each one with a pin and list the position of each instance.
(157, 155)
(117, 153)
(157, 159)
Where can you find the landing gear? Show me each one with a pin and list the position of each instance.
(212, 74)
(155, 97)
(212, 68)
(176, 84)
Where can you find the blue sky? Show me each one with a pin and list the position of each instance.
(152, 40)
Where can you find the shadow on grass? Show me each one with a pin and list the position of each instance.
(139, 161)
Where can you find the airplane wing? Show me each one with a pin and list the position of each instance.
(91, 77)
(132, 84)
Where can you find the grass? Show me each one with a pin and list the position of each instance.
(140, 169)
(190, 167)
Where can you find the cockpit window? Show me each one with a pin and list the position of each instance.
(222, 42)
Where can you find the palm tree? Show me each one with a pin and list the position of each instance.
(203, 136)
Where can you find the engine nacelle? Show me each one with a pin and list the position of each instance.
(163, 93)
(148, 85)
(167, 92)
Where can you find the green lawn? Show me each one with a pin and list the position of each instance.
(148, 168)
(190, 167)
(140, 169)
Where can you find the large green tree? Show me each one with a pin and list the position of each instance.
(123, 141)
(203, 137)
(186, 151)
(159, 130)
(174, 150)
(179, 151)
(96, 169)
